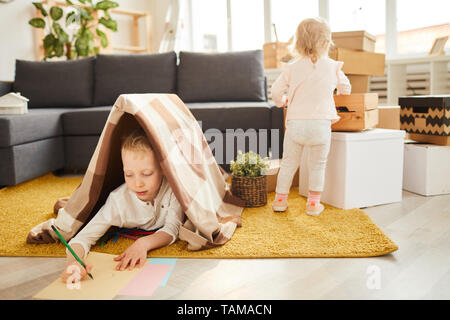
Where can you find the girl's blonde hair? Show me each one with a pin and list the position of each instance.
(313, 38)
(136, 141)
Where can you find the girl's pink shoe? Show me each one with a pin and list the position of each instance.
(279, 205)
(314, 209)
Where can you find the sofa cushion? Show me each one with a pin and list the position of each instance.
(5, 87)
(86, 121)
(56, 83)
(232, 115)
(141, 73)
(35, 125)
(232, 76)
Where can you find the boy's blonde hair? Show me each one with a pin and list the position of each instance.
(313, 38)
(136, 141)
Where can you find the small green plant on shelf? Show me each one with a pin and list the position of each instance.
(249, 164)
(80, 17)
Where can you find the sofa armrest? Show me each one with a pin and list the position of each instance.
(277, 118)
(265, 89)
(5, 87)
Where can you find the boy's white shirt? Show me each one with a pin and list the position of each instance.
(125, 210)
(310, 87)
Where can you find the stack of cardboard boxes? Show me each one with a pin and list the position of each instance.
(356, 49)
(358, 111)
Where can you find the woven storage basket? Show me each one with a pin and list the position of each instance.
(252, 190)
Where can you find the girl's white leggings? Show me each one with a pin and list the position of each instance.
(313, 134)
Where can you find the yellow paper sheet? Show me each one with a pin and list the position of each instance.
(106, 284)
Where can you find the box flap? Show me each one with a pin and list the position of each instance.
(358, 102)
(347, 34)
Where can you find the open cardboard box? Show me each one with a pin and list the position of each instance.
(358, 112)
(274, 52)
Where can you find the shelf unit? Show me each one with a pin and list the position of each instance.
(136, 16)
(405, 77)
(399, 71)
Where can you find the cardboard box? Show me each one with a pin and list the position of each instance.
(360, 83)
(272, 176)
(359, 62)
(356, 40)
(358, 112)
(363, 169)
(426, 169)
(353, 121)
(356, 101)
(428, 138)
(389, 117)
(426, 115)
(274, 52)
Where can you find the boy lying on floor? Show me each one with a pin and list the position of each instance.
(145, 201)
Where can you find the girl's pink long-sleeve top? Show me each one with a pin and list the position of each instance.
(309, 88)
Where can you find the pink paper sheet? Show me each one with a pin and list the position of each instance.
(146, 281)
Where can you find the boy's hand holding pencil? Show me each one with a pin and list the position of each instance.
(76, 268)
(75, 272)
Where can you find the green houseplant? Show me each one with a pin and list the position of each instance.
(87, 38)
(248, 180)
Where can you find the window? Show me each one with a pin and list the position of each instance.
(353, 15)
(419, 23)
(209, 25)
(287, 14)
(247, 24)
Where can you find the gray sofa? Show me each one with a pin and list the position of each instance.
(71, 100)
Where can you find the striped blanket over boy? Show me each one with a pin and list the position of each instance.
(212, 212)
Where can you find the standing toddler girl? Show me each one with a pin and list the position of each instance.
(307, 85)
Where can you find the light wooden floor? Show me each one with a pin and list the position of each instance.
(420, 269)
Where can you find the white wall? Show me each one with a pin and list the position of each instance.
(159, 11)
(17, 38)
(157, 8)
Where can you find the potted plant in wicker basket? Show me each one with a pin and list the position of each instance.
(248, 180)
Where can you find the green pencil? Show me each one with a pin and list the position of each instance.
(71, 250)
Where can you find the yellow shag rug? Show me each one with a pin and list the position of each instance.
(264, 234)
